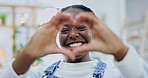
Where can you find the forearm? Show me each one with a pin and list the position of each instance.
(22, 63)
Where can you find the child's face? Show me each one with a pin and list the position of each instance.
(72, 36)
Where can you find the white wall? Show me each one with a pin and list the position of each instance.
(114, 10)
(136, 9)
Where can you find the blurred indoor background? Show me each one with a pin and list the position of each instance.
(20, 18)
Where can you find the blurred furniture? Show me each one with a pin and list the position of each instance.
(136, 34)
(19, 24)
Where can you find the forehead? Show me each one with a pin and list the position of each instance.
(73, 11)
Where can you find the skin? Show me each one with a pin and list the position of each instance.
(43, 41)
(71, 33)
(104, 40)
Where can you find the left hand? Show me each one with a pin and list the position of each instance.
(103, 40)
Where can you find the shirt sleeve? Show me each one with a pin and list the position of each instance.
(133, 66)
(10, 73)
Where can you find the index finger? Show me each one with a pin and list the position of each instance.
(86, 17)
(59, 19)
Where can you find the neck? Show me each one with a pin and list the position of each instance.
(82, 59)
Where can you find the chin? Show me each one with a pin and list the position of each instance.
(80, 56)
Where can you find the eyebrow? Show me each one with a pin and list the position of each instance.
(66, 25)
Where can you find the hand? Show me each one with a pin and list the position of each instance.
(43, 42)
(103, 39)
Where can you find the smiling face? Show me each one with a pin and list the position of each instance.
(72, 36)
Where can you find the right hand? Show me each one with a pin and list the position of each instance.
(43, 42)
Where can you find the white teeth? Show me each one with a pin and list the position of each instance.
(75, 44)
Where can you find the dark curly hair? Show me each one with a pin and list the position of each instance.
(81, 7)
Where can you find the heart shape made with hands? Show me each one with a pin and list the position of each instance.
(77, 21)
(103, 39)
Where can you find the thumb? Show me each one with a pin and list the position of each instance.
(82, 49)
(66, 52)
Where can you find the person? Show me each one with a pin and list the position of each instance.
(80, 32)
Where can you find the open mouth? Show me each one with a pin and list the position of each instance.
(73, 45)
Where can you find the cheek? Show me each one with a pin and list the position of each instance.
(90, 35)
(63, 38)
(87, 35)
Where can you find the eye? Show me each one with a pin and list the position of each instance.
(65, 31)
(81, 28)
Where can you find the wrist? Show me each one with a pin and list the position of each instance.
(121, 53)
(22, 62)
(29, 53)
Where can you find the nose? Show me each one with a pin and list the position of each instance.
(73, 35)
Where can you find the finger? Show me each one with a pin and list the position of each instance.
(92, 21)
(60, 18)
(64, 51)
(88, 18)
(82, 49)
(67, 53)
